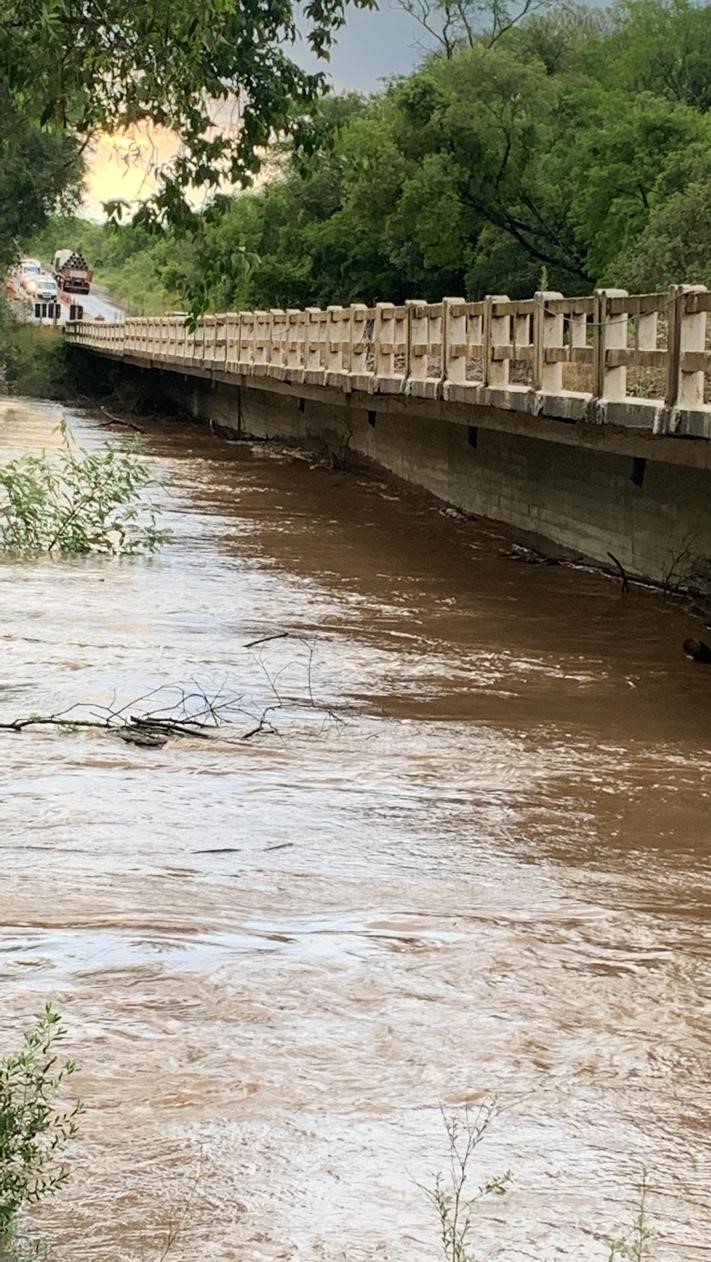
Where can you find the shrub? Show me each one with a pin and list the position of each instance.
(34, 1129)
(82, 502)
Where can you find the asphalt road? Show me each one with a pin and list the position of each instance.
(96, 303)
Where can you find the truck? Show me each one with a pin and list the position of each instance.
(72, 272)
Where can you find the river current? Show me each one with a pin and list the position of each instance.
(471, 859)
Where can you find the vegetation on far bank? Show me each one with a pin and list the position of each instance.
(573, 148)
(33, 359)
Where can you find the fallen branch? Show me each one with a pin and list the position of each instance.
(280, 635)
(119, 420)
(625, 581)
(192, 712)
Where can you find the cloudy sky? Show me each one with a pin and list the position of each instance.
(375, 43)
(372, 46)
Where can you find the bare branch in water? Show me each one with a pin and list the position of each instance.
(191, 711)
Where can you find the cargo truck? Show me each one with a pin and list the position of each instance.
(72, 272)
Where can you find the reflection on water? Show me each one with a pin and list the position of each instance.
(277, 959)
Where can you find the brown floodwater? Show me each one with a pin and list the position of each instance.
(486, 872)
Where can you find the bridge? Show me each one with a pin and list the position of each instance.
(420, 387)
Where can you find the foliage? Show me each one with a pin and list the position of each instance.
(34, 1127)
(454, 1205)
(566, 140)
(68, 72)
(635, 1245)
(39, 170)
(83, 501)
(33, 359)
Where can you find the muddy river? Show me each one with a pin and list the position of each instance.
(472, 859)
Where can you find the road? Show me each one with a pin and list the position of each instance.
(95, 304)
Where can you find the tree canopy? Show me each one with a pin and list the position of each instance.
(568, 149)
(70, 70)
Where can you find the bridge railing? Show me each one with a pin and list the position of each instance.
(641, 359)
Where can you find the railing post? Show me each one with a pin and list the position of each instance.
(417, 339)
(578, 329)
(498, 343)
(522, 331)
(687, 333)
(383, 337)
(277, 339)
(246, 341)
(548, 332)
(610, 381)
(292, 357)
(454, 335)
(312, 348)
(358, 357)
(231, 341)
(334, 340)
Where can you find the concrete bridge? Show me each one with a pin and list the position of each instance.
(565, 417)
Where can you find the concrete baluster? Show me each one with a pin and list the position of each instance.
(334, 340)
(312, 348)
(243, 347)
(692, 338)
(303, 339)
(208, 348)
(277, 333)
(323, 332)
(292, 344)
(579, 329)
(383, 338)
(495, 334)
(260, 341)
(455, 341)
(549, 329)
(417, 339)
(221, 343)
(522, 332)
(437, 343)
(231, 336)
(610, 336)
(358, 355)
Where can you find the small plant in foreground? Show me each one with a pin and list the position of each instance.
(637, 1245)
(84, 501)
(455, 1206)
(34, 1129)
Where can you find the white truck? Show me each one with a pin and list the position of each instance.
(72, 272)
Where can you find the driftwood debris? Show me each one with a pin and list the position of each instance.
(193, 711)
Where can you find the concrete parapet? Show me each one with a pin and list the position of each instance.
(634, 360)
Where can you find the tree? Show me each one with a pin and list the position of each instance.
(450, 25)
(39, 171)
(661, 46)
(546, 152)
(676, 242)
(73, 70)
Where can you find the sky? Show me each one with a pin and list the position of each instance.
(374, 44)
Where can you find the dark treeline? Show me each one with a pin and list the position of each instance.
(570, 150)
